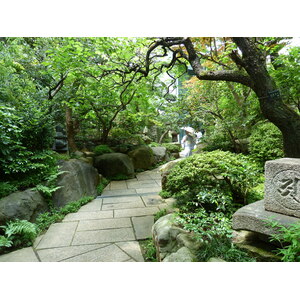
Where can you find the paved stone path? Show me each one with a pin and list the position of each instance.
(105, 230)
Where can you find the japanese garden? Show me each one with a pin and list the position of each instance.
(171, 149)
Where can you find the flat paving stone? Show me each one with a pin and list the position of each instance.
(119, 192)
(149, 190)
(133, 249)
(142, 226)
(103, 236)
(103, 224)
(134, 204)
(92, 215)
(58, 235)
(94, 205)
(111, 253)
(142, 183)
(118, 185)
(143, 177)
(121, 199)
(21, 255)
(135, 212)
(59, 254)
(151, 200)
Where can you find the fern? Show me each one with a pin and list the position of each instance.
(5, 242)
(20, 232)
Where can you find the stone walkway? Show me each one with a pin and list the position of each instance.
(105, 230)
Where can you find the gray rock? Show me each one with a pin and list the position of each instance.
(25, 205)
(255, 218)
(182, 255)
(112, 164)
(160, 153)
(142, 157)
(282, 186)
(169, 238)
(80, 179)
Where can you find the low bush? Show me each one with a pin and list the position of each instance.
(289, 238)
(229, 174)
(223, 248)
(172, 148)
(102, 149)
(266, 143)
(7, 188)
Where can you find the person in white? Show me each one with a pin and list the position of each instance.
(188, 142)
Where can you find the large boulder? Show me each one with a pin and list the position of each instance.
(23, 205)
(160, 154)
(142, 157)
(80, 179)
(112, 164)
(172, 243)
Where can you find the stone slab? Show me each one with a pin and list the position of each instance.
(142, 184)
(255, 218)
(151, 200)
(121, 199)
(92, 215)
(59, 254)
(58, 235)
(118, 185)
(143, 177)
(133, 249)
(282, 186)
(134, 204)
(111, 253)
(119, 192)
(103, 236)
(135, 212)
(142, 227)
(22, 255)
(94, 205)
(149, 190)
(103, 224)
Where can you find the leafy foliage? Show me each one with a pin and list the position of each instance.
(289, 238)
(231, 174)
(6, 188)
(100, 187)
(223, 248)
(172, 148)
(102, 149)
(266, 143)
(19, 233)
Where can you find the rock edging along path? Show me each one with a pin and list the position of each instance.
(105, 230)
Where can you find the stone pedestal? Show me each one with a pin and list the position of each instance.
(281, 200)
(282, 187)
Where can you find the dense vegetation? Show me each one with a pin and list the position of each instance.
(110, 95)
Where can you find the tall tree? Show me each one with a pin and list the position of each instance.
(243, 60)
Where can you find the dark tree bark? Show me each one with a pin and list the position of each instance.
(271, 102)
(71, 130)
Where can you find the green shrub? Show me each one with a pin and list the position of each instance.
(172, 148)
(160, 214)
(289, 238)
(217, 140)
(148, 250)
(102, 149)
(6, 188)
(266, 142)
(205, 225)
(230, 174)
(223, 248)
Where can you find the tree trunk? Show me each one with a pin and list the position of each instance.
(271, 102)
(163, 136)
(70, 130)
